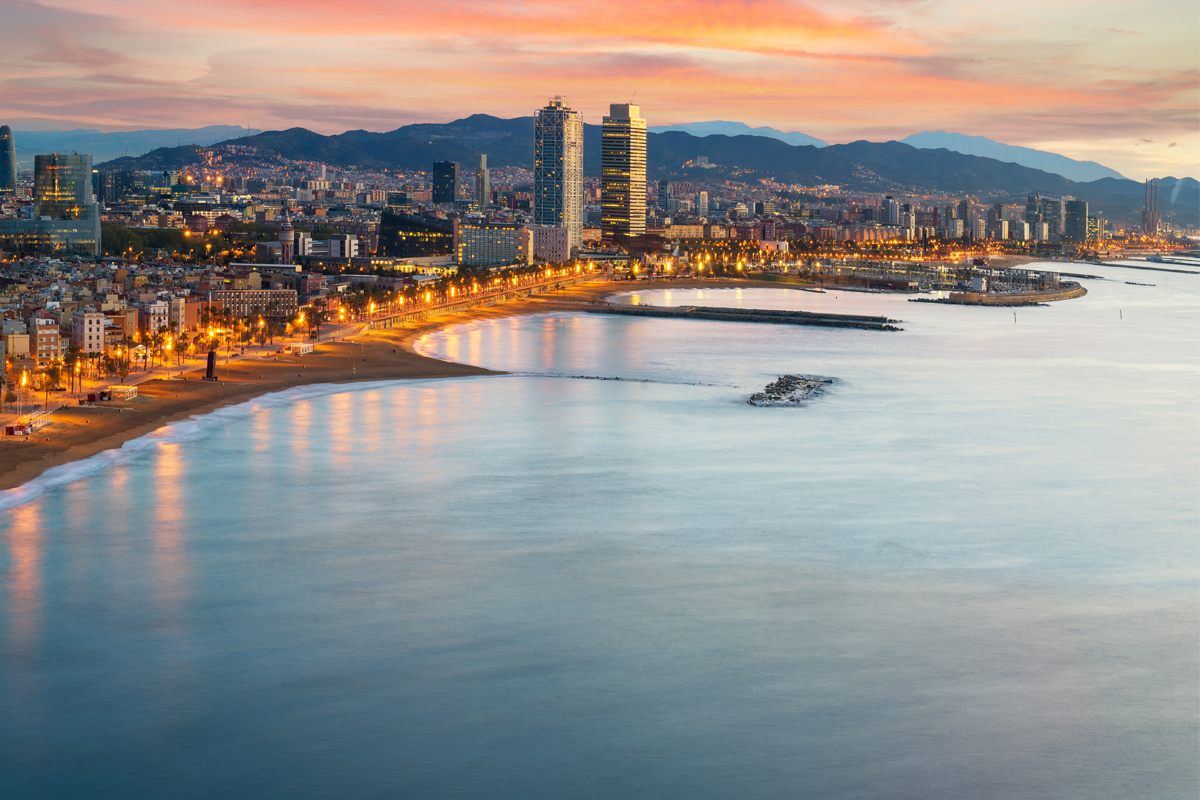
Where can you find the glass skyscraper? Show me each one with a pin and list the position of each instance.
(623, 171)
(8, 160)
(65, 216)
(445, 182)
(558, 169)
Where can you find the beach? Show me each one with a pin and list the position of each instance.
(81, 432)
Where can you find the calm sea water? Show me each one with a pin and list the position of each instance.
(969, 571)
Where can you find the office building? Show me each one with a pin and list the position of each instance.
(702, 204)
(558, 169)
(445, 182)
(623, 171)
(666, 193)
(483, 183)
(1075, 226)
(66, 219)
(408, 236)
(481, 243)
(8, 160)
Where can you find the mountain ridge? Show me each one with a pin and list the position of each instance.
(1079, 171)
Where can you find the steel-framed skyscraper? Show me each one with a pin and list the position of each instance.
(623, 171)
(445, 181)
(558, 169)
(483, 183)
(8, 160)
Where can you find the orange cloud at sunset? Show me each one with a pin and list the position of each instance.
(1022, 74)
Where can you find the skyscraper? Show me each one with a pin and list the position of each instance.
(483, 183)
(8, 160)
(62, 186)
(1075, 228)
(445, 181)
(558, 169)
(623, 171)
(65, 216)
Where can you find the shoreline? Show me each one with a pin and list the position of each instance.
(80, 432)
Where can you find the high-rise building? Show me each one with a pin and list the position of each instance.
(558, 169)
(1076, 223)
(702, 204)
(62, 186)
(481, 243)
(964, 213)
(666, 193)
(65, 216)
(891, 211)
(445, 182)
(8, 160)
(483, 183)
(623, 171)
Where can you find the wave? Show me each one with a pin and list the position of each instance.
(197, 427)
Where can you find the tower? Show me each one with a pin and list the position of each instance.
(8, 160)
(483, 183)
(558, 169)
(445, 181)
(62, 186)
(287, 241)
(623, 171)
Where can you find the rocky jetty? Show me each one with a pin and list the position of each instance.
(791, 390)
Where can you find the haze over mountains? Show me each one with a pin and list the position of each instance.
(1025, 156)
(107, 146)
(865, 166)
(723, 128)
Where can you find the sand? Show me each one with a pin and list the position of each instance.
(80, 432)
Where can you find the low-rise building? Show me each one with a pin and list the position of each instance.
(280, 303)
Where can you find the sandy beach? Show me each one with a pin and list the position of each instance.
(80, 432)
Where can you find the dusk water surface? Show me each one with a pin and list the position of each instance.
(968, 571)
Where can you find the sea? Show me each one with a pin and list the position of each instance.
(967, 570)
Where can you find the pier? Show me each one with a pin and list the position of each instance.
(771, 316)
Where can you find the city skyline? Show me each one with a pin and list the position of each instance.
(1119, 87)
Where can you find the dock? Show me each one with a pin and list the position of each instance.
(762, 315)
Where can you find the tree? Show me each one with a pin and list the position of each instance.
(316, 316)
(180, 347)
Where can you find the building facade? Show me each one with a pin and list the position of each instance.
(623, 171)
(87, 331)
(482, 243)
(278, 303)
(66, 219)
(445, 182)
(1075, 224)
(551, 245)
(483, 183)
(558, 169)
(408, 236)
(8, 160)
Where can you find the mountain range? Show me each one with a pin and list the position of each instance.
(105, 146)
(723, 128)
(1025, 156)
(865, 166)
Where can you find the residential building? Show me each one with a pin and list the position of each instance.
(282, 303)
(558, 169)
(45, 340)
(87, 331)
(623, 171)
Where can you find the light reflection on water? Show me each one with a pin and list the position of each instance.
(969, 571)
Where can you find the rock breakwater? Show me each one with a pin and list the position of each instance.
(791, 390)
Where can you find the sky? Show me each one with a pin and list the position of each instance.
(1103, 80)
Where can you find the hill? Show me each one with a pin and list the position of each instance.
(865, 166)
(1082, 171)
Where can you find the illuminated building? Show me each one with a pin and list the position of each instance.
(623, 171)
(287, 241)
(445, 182)
(483, 183)
(408, 236)
(481, 243)
(66, 218)
(8, 160)
(1076, 223)
(558, 169)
